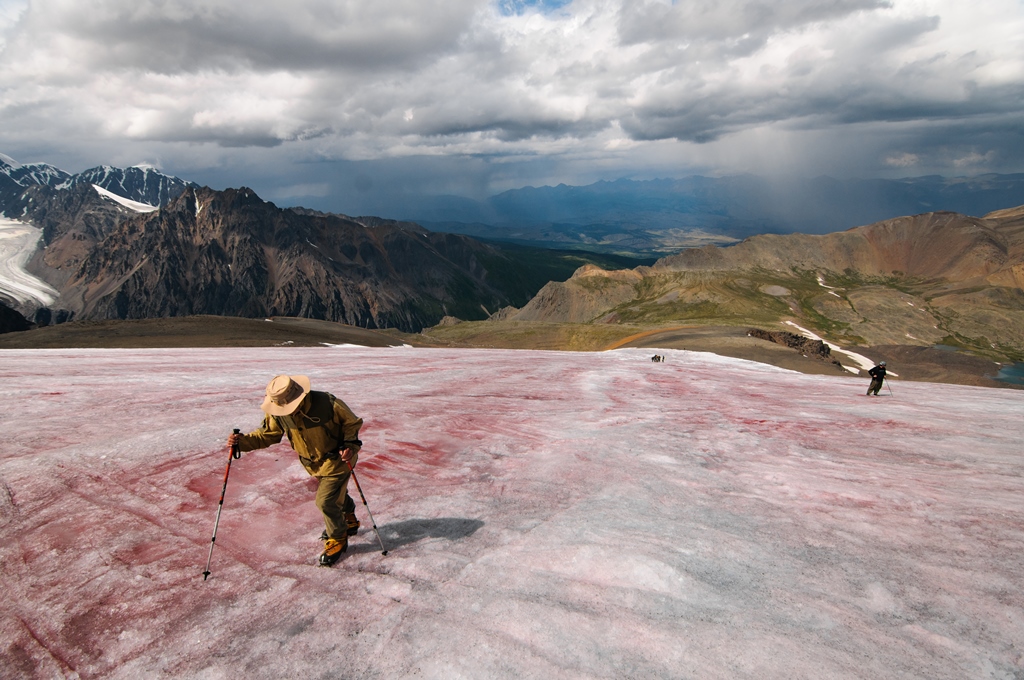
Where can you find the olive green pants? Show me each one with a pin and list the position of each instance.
(333, 500)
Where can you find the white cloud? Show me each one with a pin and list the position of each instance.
(608, 83)
(902, 160)
(974, 159)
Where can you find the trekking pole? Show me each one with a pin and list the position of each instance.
(233, 452)
(890, 389)
(365, 505)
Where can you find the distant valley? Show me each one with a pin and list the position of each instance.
(660, 217)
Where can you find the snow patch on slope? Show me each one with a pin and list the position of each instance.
(126, 202)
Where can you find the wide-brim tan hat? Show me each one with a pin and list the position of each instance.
(284, 394)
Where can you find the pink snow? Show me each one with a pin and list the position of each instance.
(547, 515)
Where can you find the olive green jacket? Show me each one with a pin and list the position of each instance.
(326, 427)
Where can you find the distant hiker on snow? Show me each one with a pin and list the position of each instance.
(877, 378)
(325, 434)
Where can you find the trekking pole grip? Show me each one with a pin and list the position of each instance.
(235, 453)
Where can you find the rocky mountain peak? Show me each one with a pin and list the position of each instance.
(142, 184)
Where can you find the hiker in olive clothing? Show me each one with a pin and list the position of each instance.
(877, 378)
(325, 434)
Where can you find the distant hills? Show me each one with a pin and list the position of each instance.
(933, 278)
(663, 216)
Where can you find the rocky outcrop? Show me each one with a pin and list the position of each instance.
(809, 348)
(11, 320)
(449, 321)
(503, 314)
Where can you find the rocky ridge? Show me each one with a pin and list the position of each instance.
(231, 253)
(806, 346)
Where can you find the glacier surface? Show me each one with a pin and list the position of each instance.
(547, 515)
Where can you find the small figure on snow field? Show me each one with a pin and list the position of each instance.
(324, 433)
(877, 378)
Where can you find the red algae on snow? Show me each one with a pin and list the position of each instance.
(547, 514)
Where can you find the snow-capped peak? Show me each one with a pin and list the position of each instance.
(10, 161)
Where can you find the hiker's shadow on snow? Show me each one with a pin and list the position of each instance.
(397, 534)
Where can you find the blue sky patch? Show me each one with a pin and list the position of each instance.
(510, 7)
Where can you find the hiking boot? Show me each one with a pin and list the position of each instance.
(353, 523)
(323, 535)
(333, 550)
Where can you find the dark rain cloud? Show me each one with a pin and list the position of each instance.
(186, 36)
(566, 90)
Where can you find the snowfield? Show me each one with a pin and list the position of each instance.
(547, 515)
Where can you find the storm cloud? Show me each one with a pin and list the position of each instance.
(527, 92)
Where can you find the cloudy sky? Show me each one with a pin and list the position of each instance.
(346, 104)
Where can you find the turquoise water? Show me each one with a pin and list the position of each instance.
(1013, 374)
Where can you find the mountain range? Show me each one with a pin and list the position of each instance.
(137, 244)
(111, 254)
(143, 184)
